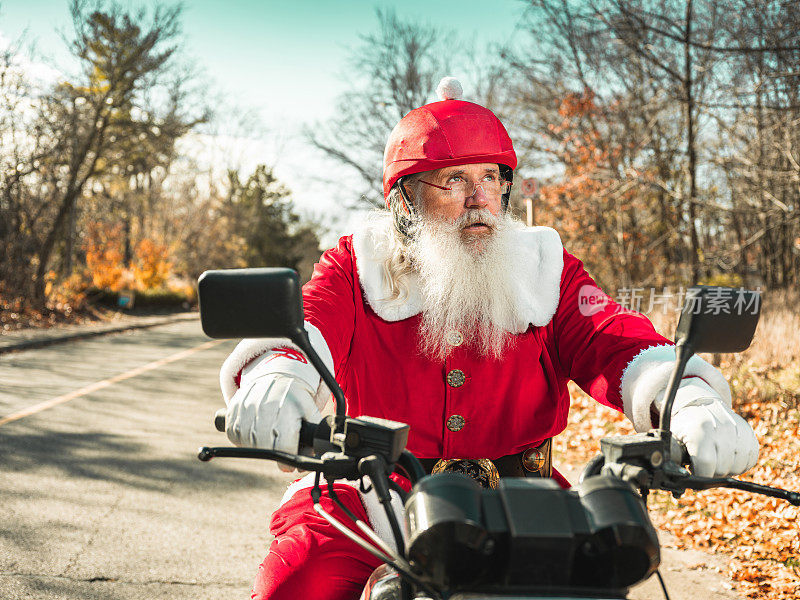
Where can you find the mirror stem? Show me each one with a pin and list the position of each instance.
(683, 352)
(300, 337)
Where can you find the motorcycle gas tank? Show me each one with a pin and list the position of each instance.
(385, 584)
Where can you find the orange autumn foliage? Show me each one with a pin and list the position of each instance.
(106, 266)
(151, 266)
(596, 204)
(577, 104)
(104, 259)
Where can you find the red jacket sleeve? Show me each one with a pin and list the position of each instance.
(329, 299)
(595, 337)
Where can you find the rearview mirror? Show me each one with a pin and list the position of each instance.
(259, 303)
(250, 303)
(713, 319)
(718, 319)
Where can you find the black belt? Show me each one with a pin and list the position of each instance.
(535, 461)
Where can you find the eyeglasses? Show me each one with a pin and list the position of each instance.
(457, 191)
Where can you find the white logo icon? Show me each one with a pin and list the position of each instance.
(591, 300)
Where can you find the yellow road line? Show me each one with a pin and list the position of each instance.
(99, 385)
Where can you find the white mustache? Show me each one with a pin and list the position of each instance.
(477, 215)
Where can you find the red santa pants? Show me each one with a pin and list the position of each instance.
(309, 559)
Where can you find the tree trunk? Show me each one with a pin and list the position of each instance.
(49, 243)
(74, 189)
(736, 219)
(128, 253)
(691, 150)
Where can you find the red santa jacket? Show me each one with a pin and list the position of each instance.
(471, 406)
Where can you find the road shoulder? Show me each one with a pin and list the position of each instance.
(26, 339)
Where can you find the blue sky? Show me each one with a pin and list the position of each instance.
(286, 60)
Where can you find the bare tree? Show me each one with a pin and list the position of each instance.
(580, 100)
(24, 147)
(119, 53)
(396, 70)
(669, 81)
(759, 151)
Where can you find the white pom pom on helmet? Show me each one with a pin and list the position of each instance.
(449, 88)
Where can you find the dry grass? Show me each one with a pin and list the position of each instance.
(777, 340)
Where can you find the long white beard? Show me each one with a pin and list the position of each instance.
(466, 282)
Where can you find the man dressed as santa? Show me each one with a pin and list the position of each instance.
(449, 315)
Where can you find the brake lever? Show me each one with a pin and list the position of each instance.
(638, 459)
(680, 475)
(695, 482)
(333, 466)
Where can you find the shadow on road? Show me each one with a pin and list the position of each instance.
(167, 338)
(118, 459)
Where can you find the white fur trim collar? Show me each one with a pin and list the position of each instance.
(538, 288)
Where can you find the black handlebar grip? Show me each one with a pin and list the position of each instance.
(307, 429)
(685, 459)
(219, 420)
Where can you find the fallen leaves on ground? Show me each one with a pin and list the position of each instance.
(17, 314)
(759, 534)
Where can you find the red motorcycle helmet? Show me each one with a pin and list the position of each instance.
(443, 134)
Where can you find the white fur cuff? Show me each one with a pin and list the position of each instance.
(375, 512)
(647, 375)
(251, 348)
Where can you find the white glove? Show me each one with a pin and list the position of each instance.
(266, 412)
(277, 388)
(719, 442)
(276, 391)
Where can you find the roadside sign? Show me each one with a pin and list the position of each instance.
(125, 299)
(529, 187)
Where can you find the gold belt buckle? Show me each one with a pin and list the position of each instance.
(482, 470)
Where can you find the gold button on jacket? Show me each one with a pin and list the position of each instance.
(455, 422)
(456, 378)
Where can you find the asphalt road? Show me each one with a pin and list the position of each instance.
(101, 494)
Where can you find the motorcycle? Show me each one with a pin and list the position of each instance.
(525, 539)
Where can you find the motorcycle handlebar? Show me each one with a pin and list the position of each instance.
(219, 420)
(594, 467)
(307, 429)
